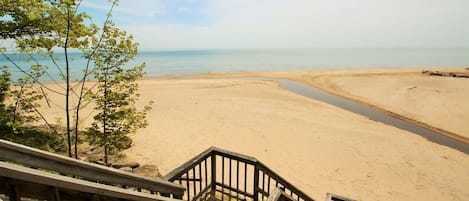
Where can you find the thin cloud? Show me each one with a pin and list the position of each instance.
(298, 23)
(184, 9)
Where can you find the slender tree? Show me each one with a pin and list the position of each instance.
(37, 27)
(80, 86)
(40, 27)
(117, 92)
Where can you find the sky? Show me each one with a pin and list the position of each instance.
(246, 24)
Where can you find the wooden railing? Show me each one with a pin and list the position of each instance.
(225, 175)
(58, 174)
(279, 195)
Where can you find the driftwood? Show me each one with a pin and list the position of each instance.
(446, 74)
(410, 88)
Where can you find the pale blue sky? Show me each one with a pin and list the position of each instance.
(201, 24)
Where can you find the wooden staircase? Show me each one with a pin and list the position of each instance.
(214, 175)
(31, 173)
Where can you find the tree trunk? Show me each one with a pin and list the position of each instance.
(67, 93)
(106, 163)
(105, 119)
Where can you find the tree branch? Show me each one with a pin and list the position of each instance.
(29, 75)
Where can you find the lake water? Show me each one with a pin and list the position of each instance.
(372, 113)
(171, 62)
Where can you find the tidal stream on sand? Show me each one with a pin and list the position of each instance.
(371, 113)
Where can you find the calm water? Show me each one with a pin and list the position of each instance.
(373, 114)
(206, 61)
(212, 61)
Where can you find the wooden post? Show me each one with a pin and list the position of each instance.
(95, 198)
(177, 196)
(54, 194)
(165, 194)
(256, 182)
(214, 173)
(13, 191)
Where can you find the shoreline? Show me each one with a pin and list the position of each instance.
(316, 146)
(394, 114)
(359, 72)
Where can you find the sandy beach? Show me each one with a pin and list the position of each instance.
(437, 103)
(317, 147)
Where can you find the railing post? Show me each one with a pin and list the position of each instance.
(214, 172)
(165, 194)
(256, 182)
(54, 194)
(13, 191)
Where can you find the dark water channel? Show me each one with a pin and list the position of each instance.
(371, 113)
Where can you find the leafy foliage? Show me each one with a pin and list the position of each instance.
(44, 24)
(24, 17)
(4, 108)
(17, 114)
(38, 27)
(117, 91)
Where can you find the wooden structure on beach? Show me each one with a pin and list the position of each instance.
(215, 175)
(446, 74)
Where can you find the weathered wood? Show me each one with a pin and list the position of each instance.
(54, 194)
(191, 179)
(236, 156)
(213, 171)
(244, 193)
(204, 191)
(446, 74)
(332, 197)
(95, 198)
(245, 176)
(41, 159)
(200, 176)
(230, 174)
(275, 195)
(256, 183)
(193, 176)
(213, 153)
(206, 177)
(279, 195)
(284, 182)
(237, 178)
(188, 190)
(179, 171)
(222, 176)
(36, 177)
(26, 189)
(13, 193)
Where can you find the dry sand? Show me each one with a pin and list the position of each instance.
(438, 103)
(317, 147)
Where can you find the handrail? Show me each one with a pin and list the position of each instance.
(277, 177)
(207, 153)
(227, 173)
(41, 159)
(41, 181)
(189, 164)
(236, 156)
(279, 195)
